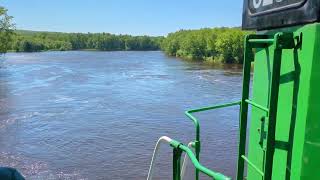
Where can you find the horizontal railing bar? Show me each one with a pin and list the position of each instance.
(197, 144)
(263, 41)
(257, 105)
(252, 165)
(196, 121)
(213, 107)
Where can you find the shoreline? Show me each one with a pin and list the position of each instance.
(204, 62)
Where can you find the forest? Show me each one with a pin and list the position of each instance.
(210, 45)
(32, 41)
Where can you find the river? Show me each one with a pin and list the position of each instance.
(98, 115)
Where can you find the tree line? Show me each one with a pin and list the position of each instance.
(31, 41)
(208, 45)
(6, 30)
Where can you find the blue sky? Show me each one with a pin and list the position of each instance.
(136, 17)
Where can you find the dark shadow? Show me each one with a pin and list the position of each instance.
(281, 145)
(294, 103)
(286, 78)
(293, 76)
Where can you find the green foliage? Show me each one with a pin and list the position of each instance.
(28, 46)
(6, 30)
(31, 41)
(210, 45)
(217, 44)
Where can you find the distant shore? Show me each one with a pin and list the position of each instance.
(210, 45)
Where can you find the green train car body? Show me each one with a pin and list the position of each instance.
(284, 141)
(279, 127)
(297, 129)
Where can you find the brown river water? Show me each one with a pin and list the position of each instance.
(98, 115)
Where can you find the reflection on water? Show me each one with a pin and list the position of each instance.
(97, 115)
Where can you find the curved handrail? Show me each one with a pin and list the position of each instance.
(156, 151)
(196, 163)
(201, 168)
(192, 157)
(195, 121)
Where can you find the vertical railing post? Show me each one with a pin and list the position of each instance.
(197, 149)
(273, 106)
(248, 57)
(176, 163)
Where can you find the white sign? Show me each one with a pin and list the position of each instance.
(258, 3)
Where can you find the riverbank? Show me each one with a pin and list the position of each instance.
(33, 41)
(210, 45)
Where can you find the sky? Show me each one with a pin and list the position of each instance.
(135, 17)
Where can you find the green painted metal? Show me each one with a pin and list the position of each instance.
(284, 127)
(197, 142)
(280, 41)
(257, 105)
(248, 57)
(285, 143)
(178, 148)
(176, 163)
(264, 41)
(252, 165)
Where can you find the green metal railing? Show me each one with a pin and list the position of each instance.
(279, 41)
(197, 142)
(178, 148)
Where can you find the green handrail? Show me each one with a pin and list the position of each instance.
(196, 121)
(252, 165)
(179, 146)
(267, 41)
(197, 125)
(257, 105)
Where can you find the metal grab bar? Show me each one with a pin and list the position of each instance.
(179, 146)
(197, 165)
(257, 105)
(266, 41)
(165, 139)
(196, 121)
(189, 113)
(252, 165)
